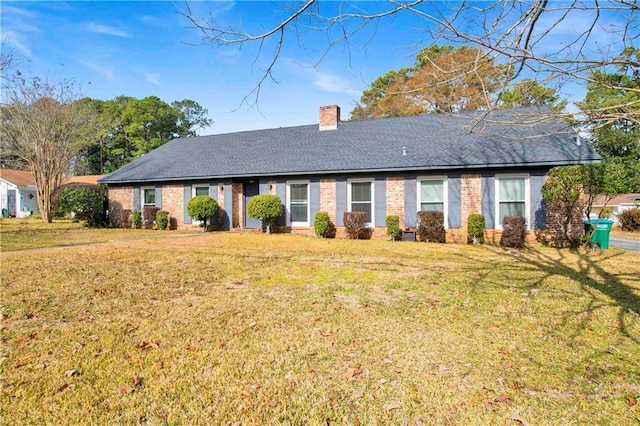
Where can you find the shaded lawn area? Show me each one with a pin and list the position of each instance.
(31, 233)
(256, 329)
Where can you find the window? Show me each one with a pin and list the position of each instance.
(148, 197)
(361, 198)
(200, 190)
(432, 195)
(298, 203)
(512, 198)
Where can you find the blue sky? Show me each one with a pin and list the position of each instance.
(147, 48)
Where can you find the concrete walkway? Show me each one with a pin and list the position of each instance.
(629, 245)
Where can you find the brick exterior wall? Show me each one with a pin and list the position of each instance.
(237, 220)
(173, 202)
(120, 206)
(395, 198)
(328, 197)
(471, 194)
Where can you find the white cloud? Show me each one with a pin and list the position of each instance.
(102, 70)
(17, 11)
(331, 83)
(105, 29)
(15, 41)
(153, 78)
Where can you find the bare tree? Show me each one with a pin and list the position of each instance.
(552, 42)
(42, 124)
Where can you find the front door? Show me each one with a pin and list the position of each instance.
(250, 189)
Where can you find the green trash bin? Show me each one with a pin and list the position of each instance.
(600, 235)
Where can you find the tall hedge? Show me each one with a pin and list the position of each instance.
(267, 208)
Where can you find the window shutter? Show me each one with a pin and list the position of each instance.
(136, 198)
(159, 196)
(187, 197)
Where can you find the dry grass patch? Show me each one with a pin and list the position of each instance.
(31, 233)
(266, 329)
(617, 232)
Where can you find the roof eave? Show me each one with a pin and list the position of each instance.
(548, 164)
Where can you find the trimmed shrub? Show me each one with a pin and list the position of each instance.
(393, 227)
(202, 208)
(323, 226)
(162, 219)
(513, 231)
(149, 216)
(267, 208)
(475, 228)
(136, 219)
(354, 224)
(431, 226)
(630, 219)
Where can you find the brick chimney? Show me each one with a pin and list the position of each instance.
(329, 117)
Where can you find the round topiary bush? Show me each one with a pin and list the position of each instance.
(266, 208)
(202, 208)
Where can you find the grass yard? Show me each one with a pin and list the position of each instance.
(24, 234)
(233, 328)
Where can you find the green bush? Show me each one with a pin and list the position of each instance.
(393, 227)
(475, 228)
(162, 219)
(202, 208)
(431, 226)
(88, 204)
(606, 213)
(354, 223)
(136, 218)
(323, 226)
(267, 208)
(630, 220)
(513, 231)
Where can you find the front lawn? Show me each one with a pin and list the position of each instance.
(33, 233)
(256, 329)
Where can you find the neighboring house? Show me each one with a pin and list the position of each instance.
(495, 165)
(84, 180)
(18, 195)
(618, 204)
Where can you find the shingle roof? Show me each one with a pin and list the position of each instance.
(81, 180)
(17, 177)
(433, 142)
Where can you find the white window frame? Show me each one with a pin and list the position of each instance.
(143, 204)
(527, 198)
(288, 198)
(372, 219)
(445, 198)
(193, 194)
(201, 185)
